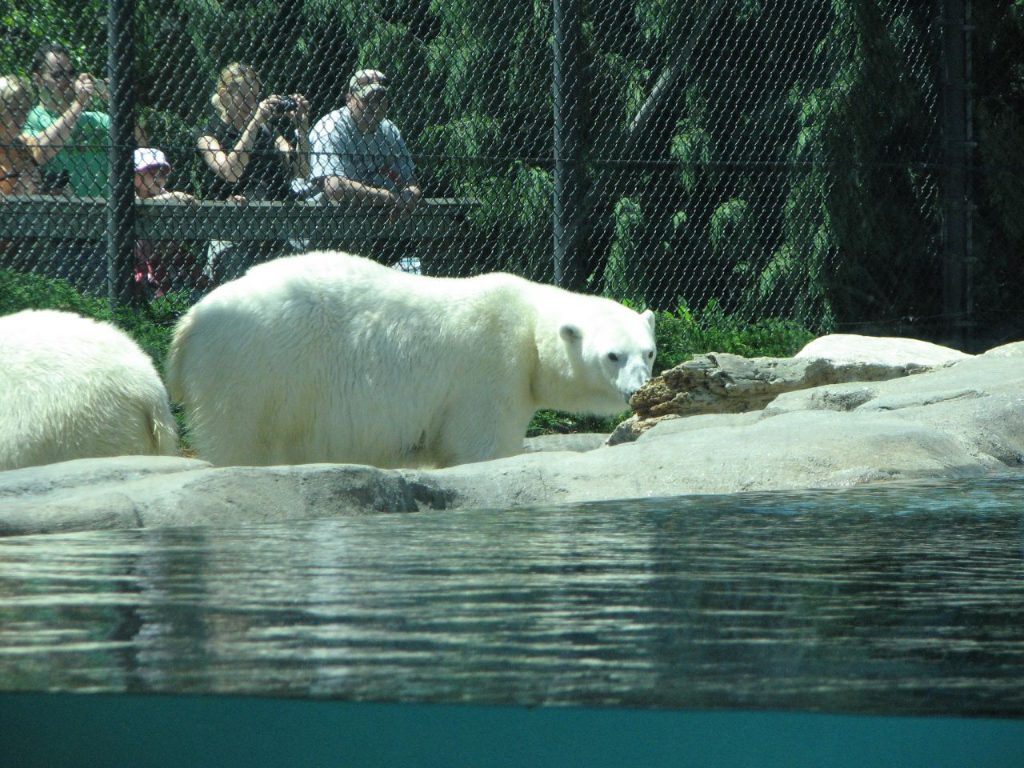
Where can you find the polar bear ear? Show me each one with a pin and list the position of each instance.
(649, 317)
(570, 333)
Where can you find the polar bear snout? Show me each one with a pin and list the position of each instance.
(631, 377)
(631, 389)
(627, 394)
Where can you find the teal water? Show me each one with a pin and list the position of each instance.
(871, 626)
(227, 732)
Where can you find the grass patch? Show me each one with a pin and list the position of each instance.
(151, 325)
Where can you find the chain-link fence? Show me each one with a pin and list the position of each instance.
(768, 158)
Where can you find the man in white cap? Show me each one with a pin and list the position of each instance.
(358, 154)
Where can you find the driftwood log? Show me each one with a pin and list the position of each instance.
(722, 383)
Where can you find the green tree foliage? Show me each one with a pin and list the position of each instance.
(773, 158)
(999, 182)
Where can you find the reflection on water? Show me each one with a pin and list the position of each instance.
(890, 599)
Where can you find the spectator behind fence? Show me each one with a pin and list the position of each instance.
(162, 265)
(246, 157)
(72, 140)
(19, 172)
(358, 154)
(19, 169)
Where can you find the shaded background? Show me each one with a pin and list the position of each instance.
(853, 165)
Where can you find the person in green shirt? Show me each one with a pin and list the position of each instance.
(76, 139)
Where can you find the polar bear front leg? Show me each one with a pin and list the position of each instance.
(481, 433)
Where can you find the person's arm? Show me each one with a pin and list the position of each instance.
(46, 144)
(177, 197)
(408, 188)
(340, 188)
(229, 163)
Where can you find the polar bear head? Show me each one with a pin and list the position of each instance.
(612, 354)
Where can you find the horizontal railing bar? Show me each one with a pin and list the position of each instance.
(58, 218)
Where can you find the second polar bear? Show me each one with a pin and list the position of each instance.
(73, 388)
(330, 357)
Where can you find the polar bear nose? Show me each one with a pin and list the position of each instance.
(633, 384)
(632, 391)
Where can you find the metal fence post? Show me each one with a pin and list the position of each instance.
(568, 141)
(958, 141)
(121, 198)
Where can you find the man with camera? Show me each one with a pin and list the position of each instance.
(358, 154)
(71, 140)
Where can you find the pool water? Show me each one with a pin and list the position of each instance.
(236, 732)
(881, 625)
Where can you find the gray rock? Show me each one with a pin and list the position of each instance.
(1013, 349)
(577, 441)
(137, 491)
(723, 383)
(879, 350)
(962, 420)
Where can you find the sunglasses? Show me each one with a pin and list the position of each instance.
(62, 74)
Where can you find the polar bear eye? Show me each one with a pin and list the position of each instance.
(650, 355)
(613, 357)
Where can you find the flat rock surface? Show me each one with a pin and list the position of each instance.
(962, 420)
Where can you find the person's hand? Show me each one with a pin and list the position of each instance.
(266, 108)
(407, 198)
(301, 113)
(85, 88)
(402, 202)
(184, 197)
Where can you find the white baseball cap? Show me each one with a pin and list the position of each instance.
(146, 158)
(367, 81)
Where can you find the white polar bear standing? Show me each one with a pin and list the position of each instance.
(330, 357)
(73, 388)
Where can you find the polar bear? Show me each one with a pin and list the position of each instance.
(330, 357)
(73, 388)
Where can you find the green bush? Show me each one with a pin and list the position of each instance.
(150, 325)
(684, 333)
(20, 291)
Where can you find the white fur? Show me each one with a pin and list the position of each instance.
(73, 388)
(329, 357)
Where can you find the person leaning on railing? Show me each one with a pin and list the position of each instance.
(358, 154)
(70, 144)
(246, 157)
(162, 265)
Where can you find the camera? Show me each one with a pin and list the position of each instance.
(54, 182)
(285, 105)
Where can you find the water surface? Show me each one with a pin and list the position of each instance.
(890, 600)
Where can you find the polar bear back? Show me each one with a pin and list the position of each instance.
(71, 387)
(332, 357)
